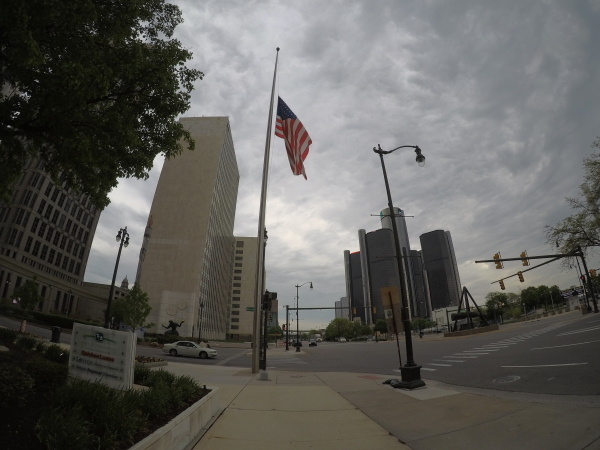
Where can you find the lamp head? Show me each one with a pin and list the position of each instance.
(311, 285)
(126, 243)
(119, 236)
(420, 158)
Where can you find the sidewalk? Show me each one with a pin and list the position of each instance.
(294, 410)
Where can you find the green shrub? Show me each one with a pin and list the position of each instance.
(161, 376)
(57, 354)
(15, 386)
(65, 429)
(26, 342)
(7, 336)
(141, 375)
(156, 401)
(47, 375)
(40, 347)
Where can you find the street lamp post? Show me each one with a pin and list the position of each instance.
(123, 239)
(410, 372)
(298, 286)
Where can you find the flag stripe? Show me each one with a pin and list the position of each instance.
(296, 138)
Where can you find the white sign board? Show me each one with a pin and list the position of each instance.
(104, 355)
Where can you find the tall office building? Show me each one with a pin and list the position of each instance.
(382, 268)
(188, 262)
(341, 309)
(407, 262)
(241, 320)
(442, 268)
(422, 295)
(46, 232)
(354, 285)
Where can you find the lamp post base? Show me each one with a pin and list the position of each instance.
(411, 378)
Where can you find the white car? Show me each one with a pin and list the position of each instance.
(189, 348)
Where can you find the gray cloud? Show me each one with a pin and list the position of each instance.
(501, 96)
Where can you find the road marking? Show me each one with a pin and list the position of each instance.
(583, 330)
(566, 345)
(474, 352)
(427, 368)
(443, 365)
(458, 355)
(551, 365)
(450, 360)
(489, 349)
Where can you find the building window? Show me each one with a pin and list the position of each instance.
(58, 259)
(61, 222)
(41, 207)
(63, 241)
(79, 213)
(239, 258)
(234, 327)
(51, 256)
(56, 238)
(75, 249)
(235, 313)
(42, 229)
(239, 243)
(49, 234)
(238, 264)
(49, 209)
(28, 244)
(237, 284)
(61, 201)
(48, 189)
(55, 216)
(237, 271)
(77, 269)
(81, 250)
(68, 227)
(237, 277)
(74, 232)
(235, 299)
(54, 194)
(44, 253)
(36, 248)
(71, 265)
(236, 291)
(64, 263)
(69, 246)
(235, 319)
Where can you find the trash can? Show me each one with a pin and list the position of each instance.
(56, 334)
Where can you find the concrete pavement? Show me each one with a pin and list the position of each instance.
(357, 411)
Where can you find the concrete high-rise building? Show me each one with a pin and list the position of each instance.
(341, 309)
(188, 262)
(407, 263)
(383, 268)
(441, 267)
(243, 289)
(46, 231)
(354, 285)
(423, 298)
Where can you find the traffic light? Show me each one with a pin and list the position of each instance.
(593, 272)
(283, 327)
(582, 278)
(501, 284)
(374, 309)
(520, 274)
(524, 259)
(353, 311)
(266, 301)
(270, 317)
(499, 264)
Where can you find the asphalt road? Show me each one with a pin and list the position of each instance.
(554, 355)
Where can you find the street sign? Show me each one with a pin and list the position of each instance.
(249, 308)
(391, 306)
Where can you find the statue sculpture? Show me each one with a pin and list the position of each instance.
(172, 328)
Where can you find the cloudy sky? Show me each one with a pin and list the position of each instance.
(503, 97)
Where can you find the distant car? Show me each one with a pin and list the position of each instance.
(312, 343)
(319, 340)
(342, 339)
(189, 348)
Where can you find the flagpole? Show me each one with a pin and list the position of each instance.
(260, 262)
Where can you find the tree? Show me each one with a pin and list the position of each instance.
(583, 227)
(27, 295)
(92, 88)
(339, 327)
(381, 326)
(496, 303)
(133, 309)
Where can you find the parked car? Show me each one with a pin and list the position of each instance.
(189, 348)
(343, 339)
(312, 343)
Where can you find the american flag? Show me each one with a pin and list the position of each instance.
(297, 141)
